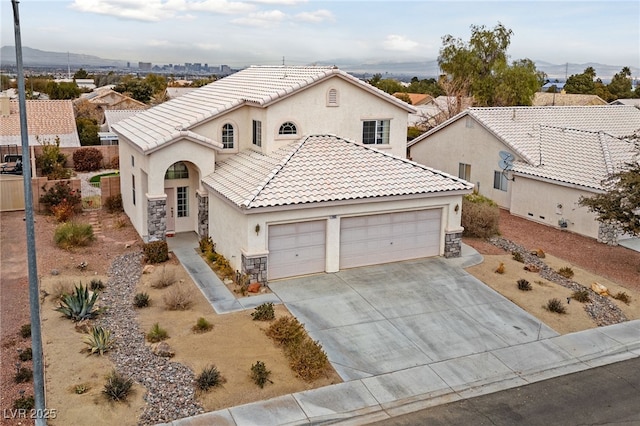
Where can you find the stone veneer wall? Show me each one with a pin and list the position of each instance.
(255, 268)
(453, 244)
(608, 234)
(203, 215)
(157, 219)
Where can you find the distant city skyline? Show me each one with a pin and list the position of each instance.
(298, 32)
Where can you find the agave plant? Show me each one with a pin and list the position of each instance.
(78, 305)
(99, 340)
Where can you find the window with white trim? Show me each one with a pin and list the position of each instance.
(257, 133)
(183, 201)
(228, 135)
(500, 180)
(464, 171)
(177, 170)
(288, 128)
(375, 132)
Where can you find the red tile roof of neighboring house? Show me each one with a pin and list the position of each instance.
(46, 120)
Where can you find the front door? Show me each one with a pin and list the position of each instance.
(171, 210)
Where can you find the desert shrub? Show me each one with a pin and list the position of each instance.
(115, 162)
(212, 256)
(25, 355)
(308, 359)
(480, 216)
(51, 161)
(24, 403)
(117, 387)
(517, 256)
(73, 234)
(141, 300)
(61, 192)
(113, 203)
(209, 378)
(286, 331)
(263, 312)
(177, 299)
(23, 375)
(500, 268)
(87, 159)
(581, 296)
(207, 245)
(623, 297)
(79, 305)
(99, 340)
(566, 272)
(81, 388)
(156, 252)
(164, 279)
(555, 305)
(223, 267)
(524, 285)
(202, 325)
(260, 374)
(25, 331)
(96, 284)
(157, 334)
(64, 211)
(120, 222)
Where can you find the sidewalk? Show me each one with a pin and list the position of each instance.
(380, 397)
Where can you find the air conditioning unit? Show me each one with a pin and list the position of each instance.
(562, 223)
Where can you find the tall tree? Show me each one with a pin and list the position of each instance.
(81, 73)
(620, 86)
(480, 68)
(581, 84)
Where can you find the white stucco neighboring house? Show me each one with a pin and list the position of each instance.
(554, 155)
(290, 170)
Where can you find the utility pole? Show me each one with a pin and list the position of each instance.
(34, 301)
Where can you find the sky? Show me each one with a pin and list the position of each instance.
(300, 32)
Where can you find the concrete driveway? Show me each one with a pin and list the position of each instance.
(387, 318)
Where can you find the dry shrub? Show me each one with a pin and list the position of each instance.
(308, 359)
(177, 299)
(480, 216)
(72, 234)
(60, 289)
(64, 211)
(566, 272)
(286, 330)
(164, 279)
(87, 159)
(156, 252)
(623, 297)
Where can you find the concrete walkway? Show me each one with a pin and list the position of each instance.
(456, 340)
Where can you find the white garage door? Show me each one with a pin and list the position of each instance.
(296, 249)
(391, 237)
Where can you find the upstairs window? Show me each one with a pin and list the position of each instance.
(257, 133)
(375, 132)
(500, 181)
(288, 128)
(177, 170)
(228, 135)
(464, 171)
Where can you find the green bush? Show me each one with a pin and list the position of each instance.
(61, 192)
(51, 161)
(202, 325)
(73, 234)
(79, 305)
(156, 252)
(264, 312)
(141, 300)
(207, 245)
(157, 334)
(117, 386)
(25, 331)
(581, 296)
(260, 374)
(24, 403)
(25, 355)
(87, 159)
(99, 340)
(480, 216)
(517, 256)
(113, 203)
(209, 378)
(23, 375)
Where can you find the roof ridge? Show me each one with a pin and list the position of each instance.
(606, 153)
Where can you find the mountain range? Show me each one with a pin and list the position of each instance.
(422, 69)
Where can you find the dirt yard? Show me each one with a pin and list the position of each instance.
(235, 342)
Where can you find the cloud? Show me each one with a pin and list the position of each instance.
(261, 19)
(399, 43)
(316, 16)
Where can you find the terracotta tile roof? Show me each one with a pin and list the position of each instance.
(578, 157)
(416, 98)
(323, 168)
(45, 119)
(256, 85)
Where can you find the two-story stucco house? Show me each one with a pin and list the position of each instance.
(291, 171)
(554, 155)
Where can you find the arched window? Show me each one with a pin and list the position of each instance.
(288, 128)
(332, 97)
(177, 170)
(227, 136)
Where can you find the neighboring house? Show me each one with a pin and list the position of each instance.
(556, 155)
(559, 87)
(438, 110)
(176, 92)
(290, 170)
(415, 98)
(631, 101)
(106, 99)
(112, 116)
(566, 99)
(46, 122)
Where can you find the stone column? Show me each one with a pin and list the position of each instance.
(156, 217)
(255, 266)
(452, 244)
(608, 233)
(203, 213)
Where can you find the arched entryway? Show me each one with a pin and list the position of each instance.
(181, 183)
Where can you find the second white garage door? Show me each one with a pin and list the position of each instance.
(390, 237)
(296, 249)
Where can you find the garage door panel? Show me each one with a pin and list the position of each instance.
(296, 249)
(390, 237)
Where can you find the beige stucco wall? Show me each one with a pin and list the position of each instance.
(459, 143)
(234, 231)
(539, 201)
